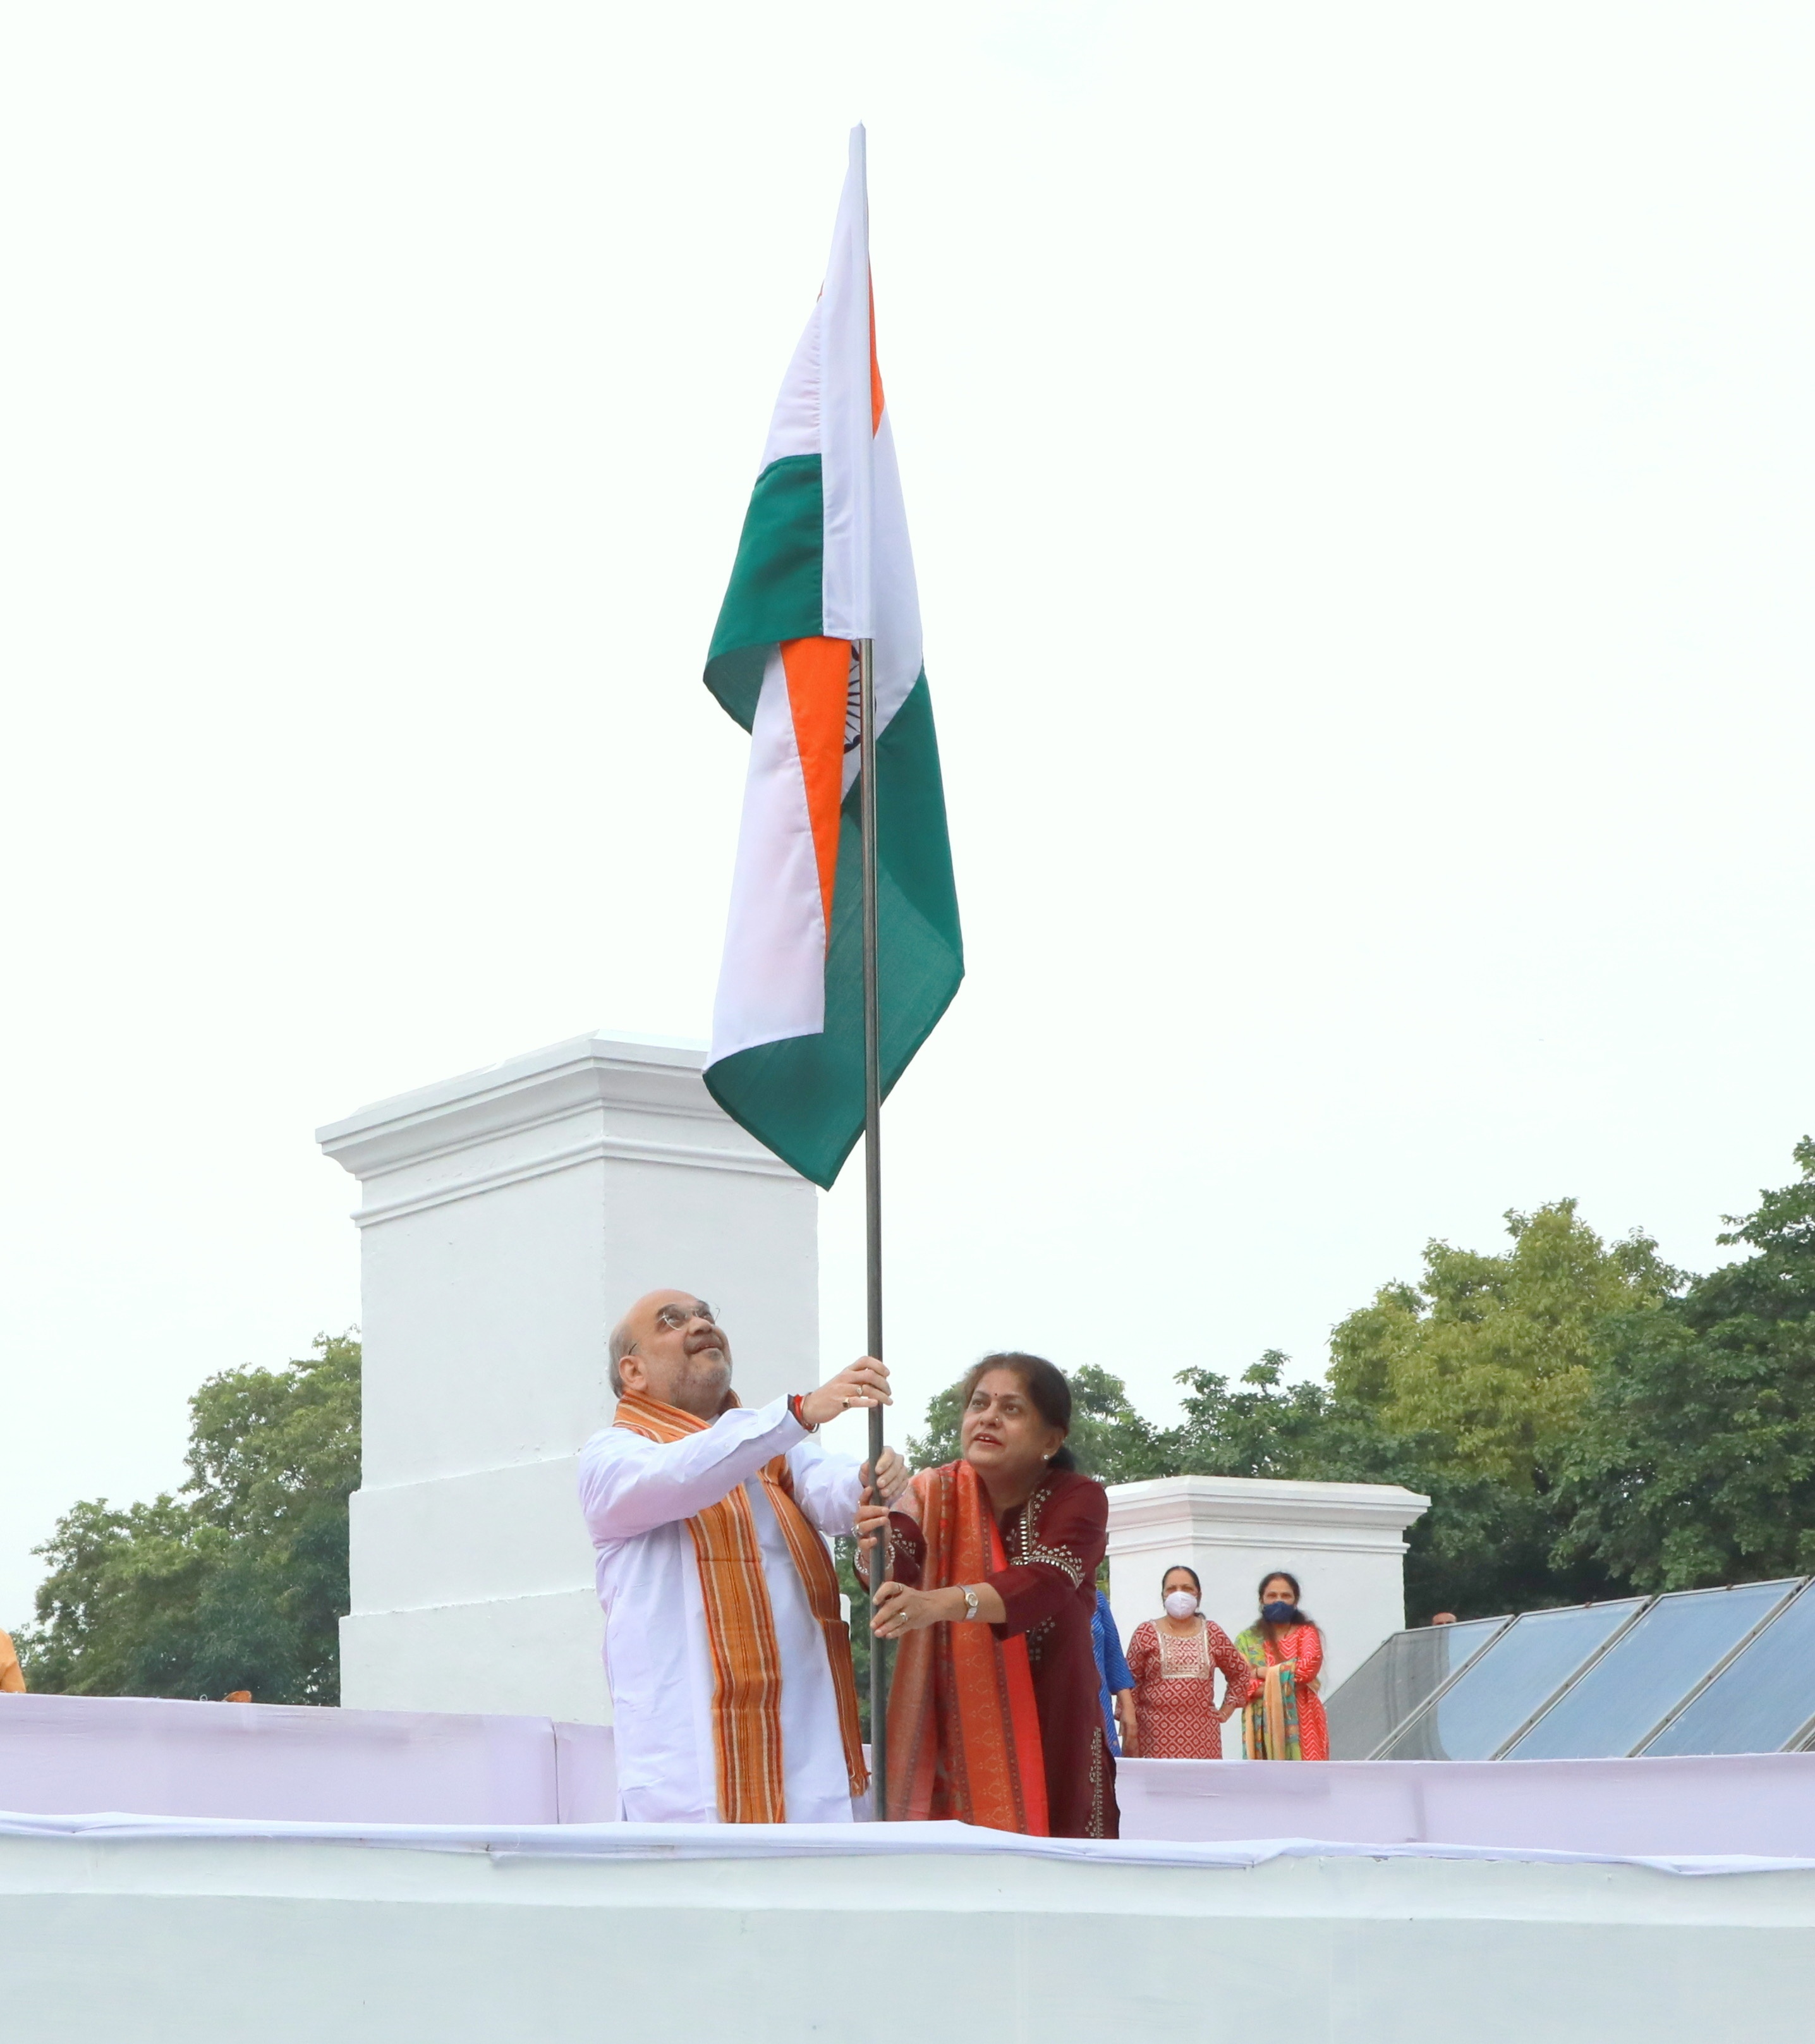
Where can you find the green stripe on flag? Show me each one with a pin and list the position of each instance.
(804, 1097)
(775, 589)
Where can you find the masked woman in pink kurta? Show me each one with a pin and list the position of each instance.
(1174, 1662)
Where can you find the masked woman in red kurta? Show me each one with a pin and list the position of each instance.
(993, 1715)
(1284, 1719)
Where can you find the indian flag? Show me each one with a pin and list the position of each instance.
(824, 562)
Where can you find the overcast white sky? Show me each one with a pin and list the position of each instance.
(1359, 467)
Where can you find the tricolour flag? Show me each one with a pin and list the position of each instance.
(824, 562)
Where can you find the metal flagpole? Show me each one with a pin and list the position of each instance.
(872, 1189)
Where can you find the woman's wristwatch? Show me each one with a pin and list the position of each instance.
(970, 1601)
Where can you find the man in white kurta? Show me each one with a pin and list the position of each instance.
(638, 1495)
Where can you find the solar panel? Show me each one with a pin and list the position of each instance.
(1762, 1701)
(1400, 1674)
(1623, 1697)
(1508, 1683)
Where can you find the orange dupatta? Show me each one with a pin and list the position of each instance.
(963, 1736)
(740, 1625)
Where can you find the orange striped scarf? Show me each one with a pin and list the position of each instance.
(964, 1733)
(740, 1626)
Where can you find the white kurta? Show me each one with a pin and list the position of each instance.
(637, 1494)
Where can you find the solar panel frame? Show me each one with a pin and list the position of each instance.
(1419, 1632)
(1786, 1588)
(1726, 1662)
(1454, 1675)
(1476, 1661)
(1799, 1740)
(1568, 1683)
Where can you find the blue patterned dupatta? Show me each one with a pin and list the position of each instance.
(1270, 1718)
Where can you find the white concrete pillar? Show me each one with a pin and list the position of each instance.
(1343, 1541)
(508, 1217)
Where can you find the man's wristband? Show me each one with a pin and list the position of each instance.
(796, 1400)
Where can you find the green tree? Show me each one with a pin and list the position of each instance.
(939, 1444)
(1483, 1547)
(1491, 1357)
(1695, 1461)
(1271, 1428)
(1110, 1440)
(239, 1582)
(1475, 1380)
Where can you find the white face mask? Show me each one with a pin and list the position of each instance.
(1180, 1603)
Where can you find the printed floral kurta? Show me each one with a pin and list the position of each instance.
(1174, 1689)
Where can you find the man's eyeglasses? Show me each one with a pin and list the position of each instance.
(675, 1317)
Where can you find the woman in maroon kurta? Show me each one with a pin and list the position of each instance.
(1009, 1538)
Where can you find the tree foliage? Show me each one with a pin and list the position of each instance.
(1494, 1356)
(239, 1582)
(1483, 1547)
(1695, 1461)
(1583, 1419)
(1268, 1427)
(1472, 1384)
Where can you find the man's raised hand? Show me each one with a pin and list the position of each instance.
(863, 1384)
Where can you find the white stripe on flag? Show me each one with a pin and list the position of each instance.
(772, 983)
(794, 427)
(847, 433)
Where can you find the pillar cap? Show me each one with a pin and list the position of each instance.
(1235, 1510)
(591, 1097)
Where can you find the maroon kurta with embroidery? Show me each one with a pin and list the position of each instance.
(1055, 1545)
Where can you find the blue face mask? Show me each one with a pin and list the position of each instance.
(1279, 1614)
